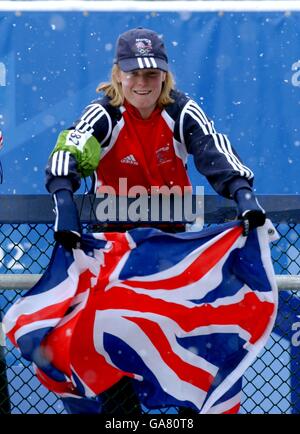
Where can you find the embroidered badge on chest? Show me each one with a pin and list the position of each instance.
(163, 155)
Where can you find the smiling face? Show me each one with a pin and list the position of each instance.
(142, 88)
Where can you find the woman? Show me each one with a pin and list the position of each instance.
(141, 131)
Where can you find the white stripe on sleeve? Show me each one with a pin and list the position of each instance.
(248, 172)
(201, 125)
(66, 164)
(203, 115)
(60, 163)
(89, 119)
(89, 113)
(220, 145)
(195, 108)
(221, 142)
(87, 124)
(204, 120)
(53, 164)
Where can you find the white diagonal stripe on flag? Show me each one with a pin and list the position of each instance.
(224, 406)
(140, 342)
(28, 328)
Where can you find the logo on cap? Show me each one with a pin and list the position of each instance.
(143, 46)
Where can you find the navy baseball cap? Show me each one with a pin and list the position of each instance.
(141, 49)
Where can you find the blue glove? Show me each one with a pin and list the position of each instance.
(249, 210)
(67, 228)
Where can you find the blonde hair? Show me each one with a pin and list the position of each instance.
(114, 89)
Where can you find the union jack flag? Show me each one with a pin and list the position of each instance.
(183, 315)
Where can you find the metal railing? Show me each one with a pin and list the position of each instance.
(27, 281)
